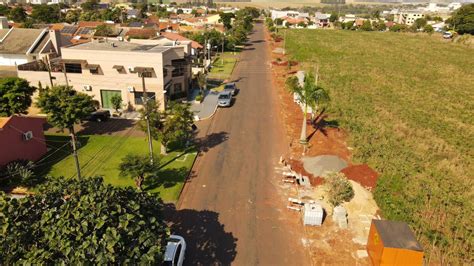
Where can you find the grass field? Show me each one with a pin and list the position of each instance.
(223, 66)
(101, 155)
(408, 102)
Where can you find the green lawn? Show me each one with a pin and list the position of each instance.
(100, 155)
(407, 101)
(223, 66)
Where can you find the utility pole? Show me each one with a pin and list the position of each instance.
(223, 42)
(147, 118)
(49, 70)
(65, 75)
(74, 151)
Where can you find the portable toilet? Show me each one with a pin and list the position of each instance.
(393, 243)
(313, 214)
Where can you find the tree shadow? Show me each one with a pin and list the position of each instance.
(166, 178)
(207, 241)
(320, 123)
(108, 127)
(212, 140)
(59, 148)
(258, 41)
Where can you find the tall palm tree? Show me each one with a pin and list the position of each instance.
(310, 95)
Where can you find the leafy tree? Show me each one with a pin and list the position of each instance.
(116, 101)
(177, 127)
(4, 10)
(463, 19)
(111, 14)
(201, 80)
(15, 96)
(428, 29)
(103, 30)
(333, 17)
(66, 107)
(28, 24)
(90, 5)
(179, 11)
(151, 111)
(72, 16)
(19, 172)
(399, 28)
(366, 26)
(380, 25)
(349, 25)
(278, 21)
(45, 13)
(310, 95)
(302, 24)
(340, 189)
(137, 167)
(419, 23)
(269, 22)
(82, 222)
(226, 19)
(376, 14)
(17, 14)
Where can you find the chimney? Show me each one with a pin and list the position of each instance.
(3, 23)
(55, 37)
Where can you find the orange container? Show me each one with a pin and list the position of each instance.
(393, 243)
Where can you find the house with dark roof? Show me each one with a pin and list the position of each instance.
(19, 46)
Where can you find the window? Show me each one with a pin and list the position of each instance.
(165, 72)
(73, 68)
(94, 71)
(146, 74)
(177, 88)
(139, 97)
(178, 71)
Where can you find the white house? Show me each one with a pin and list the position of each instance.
(292, 14)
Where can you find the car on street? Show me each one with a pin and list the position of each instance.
(224, 99)
(175, 249)
(98, 116)
(231, 87)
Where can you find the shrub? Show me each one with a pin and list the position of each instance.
(340, 189)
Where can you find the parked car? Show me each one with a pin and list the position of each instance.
(99, 116)
(224, 99)
(231, 87)
(447, 35)
(175, 249)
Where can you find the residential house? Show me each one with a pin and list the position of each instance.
(103, 68)
(196, 47)
(21, 138)
(289, 13)
(321, 20)
(19, 46)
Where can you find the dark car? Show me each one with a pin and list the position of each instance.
(231, 87)
(99, 116)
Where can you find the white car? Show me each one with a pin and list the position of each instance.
(224, 99)
(175, 249)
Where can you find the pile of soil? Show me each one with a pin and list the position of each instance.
(362, 174)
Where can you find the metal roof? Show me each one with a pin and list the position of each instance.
(396, 234)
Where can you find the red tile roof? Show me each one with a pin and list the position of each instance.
(176, 37)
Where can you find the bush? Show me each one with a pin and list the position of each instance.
(199, 98)
(19, 172)
(340, 189)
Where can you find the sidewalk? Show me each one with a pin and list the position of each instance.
(208, 106)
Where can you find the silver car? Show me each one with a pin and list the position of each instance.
(231, 87)
(224, 99)
(175, 249)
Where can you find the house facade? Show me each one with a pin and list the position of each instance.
(21, 138)
(407, 17)
(103, 69)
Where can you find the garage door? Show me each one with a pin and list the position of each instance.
(106, 95)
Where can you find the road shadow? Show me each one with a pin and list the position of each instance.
(258, 41)
(212, 140)
(207, 241)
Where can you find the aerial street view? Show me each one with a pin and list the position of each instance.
(324, 132)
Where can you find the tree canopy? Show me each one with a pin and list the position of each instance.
(463, 20)
(46, 13)
(137, 167)
(82, 222)
(15, 96)
(64, 105)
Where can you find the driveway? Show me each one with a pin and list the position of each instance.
(232, 209)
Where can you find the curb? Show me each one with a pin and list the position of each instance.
(178, 202)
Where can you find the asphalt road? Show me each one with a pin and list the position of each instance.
(230, 211)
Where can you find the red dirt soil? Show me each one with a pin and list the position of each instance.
(362, 174)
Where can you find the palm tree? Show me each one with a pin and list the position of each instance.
(201, 81)
(310, 95)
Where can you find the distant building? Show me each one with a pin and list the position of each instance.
(292, 14)
(103, 69)
(21, 138)
(407, 17)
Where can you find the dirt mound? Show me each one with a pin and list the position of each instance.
(362, 174)
(298, 167)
